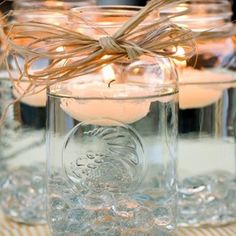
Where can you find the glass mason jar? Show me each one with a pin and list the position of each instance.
(207, 119)
(112, 146)
(22, 139)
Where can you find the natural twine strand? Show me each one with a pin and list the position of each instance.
(83, 54)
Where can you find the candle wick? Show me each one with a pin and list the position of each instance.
(109, 84)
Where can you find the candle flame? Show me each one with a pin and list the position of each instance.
(108, 74)
(180, 53)
(60, 49)
(64, 61)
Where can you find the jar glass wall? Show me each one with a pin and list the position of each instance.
(112, 146)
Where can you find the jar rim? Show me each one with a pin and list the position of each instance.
(51, 4)
(42, 15)
(107, 7)
(119, 12)
(203, 15)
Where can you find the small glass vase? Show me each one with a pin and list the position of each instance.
(22, 136)
(207, 119)
(112, 146)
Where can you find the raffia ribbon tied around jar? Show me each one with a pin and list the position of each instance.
(81, 54)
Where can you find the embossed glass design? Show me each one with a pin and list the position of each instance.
(112, 146)
(207, 118)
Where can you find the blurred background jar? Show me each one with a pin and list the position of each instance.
(207, 116)
(22, 136)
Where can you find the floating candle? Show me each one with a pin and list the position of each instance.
(38, 99)
(121, 102)
(120, 109)
(201, 87)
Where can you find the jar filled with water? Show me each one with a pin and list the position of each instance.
(207, 119)
(112, 146)
(22, 135)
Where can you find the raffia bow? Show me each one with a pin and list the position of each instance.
(83, 54)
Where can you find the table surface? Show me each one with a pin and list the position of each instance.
(9, 228)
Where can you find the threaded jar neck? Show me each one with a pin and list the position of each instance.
(203, 15)
(51, 4)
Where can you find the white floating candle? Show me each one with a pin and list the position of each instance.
(200, 88)
(123, 102)
(105, 105)
(36, 100)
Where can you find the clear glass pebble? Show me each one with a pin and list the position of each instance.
(22, 194)
(207, 199)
